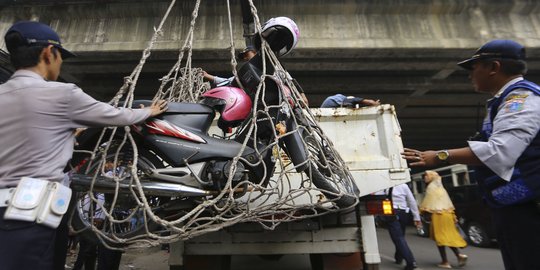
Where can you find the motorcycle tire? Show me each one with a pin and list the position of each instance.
(326, 173)
(80, 216)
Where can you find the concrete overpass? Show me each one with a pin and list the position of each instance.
(402, 52)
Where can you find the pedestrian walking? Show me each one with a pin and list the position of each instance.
(404, 204)
(443, 221)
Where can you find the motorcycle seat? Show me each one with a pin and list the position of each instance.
(178, 107)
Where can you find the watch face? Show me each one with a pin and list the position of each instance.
(442, 155)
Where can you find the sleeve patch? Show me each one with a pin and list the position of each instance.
(516, 96)
(514, 105)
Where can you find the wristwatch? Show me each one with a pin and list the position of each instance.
(443, 156)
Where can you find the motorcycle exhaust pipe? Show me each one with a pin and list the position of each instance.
(81, 182)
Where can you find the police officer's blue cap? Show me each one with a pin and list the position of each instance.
(496, 49)
(36, 33)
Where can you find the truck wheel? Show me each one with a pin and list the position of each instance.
(476, 235)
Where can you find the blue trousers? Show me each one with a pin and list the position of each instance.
(25, 245)
(396, 228)
(87, 255)
(518, 235)
(108, 259)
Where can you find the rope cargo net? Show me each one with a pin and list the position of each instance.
(122, 203)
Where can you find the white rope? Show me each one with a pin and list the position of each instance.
(268, 204)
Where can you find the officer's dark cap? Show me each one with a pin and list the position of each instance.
(496, 49)
(36, 33)
(242, 54)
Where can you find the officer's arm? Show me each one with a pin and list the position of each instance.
(429, 158)
(463, 156)
(85, 111)
(411, 202)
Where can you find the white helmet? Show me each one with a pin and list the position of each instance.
(282, 35)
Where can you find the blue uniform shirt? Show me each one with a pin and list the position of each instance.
(510, 146)
(334, 101)
(515, 126)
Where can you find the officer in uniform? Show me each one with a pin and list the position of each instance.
(507, 152)
(39, 117)
(404, 203)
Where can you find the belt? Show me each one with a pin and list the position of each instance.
(5, 196)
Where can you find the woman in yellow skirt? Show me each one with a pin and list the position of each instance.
(443, 228)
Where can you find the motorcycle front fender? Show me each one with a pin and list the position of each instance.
(295, 147)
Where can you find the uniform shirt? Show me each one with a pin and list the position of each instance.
(340, 100)
(515, 126)
(334, 101)
(37, 122)
(219, 81)
(402, 198)
(97, 208)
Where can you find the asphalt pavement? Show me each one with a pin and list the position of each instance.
(427, 256)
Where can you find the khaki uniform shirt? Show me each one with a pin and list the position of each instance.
(37, 121)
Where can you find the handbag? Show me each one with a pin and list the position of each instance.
(461, 232)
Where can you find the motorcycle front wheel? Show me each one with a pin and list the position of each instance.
(326, 172)
(326, 169)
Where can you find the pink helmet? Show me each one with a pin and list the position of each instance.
(233, 104)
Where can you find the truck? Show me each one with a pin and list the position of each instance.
(369, 141)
